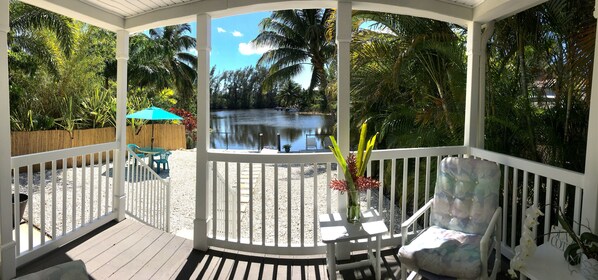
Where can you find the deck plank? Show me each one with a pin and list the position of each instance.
(135, 265)
(148, 270)
(112, 250)
(125, 257)
(99, 248)
(131, 250)
(169, 267)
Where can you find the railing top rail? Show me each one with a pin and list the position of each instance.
(152, 172)
(271, 158)
(417, 152)
(557, 173)
(37, 158)
(328, 157)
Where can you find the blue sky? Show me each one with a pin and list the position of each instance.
(231, 48)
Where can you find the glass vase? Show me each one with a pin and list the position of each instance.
(353, 210)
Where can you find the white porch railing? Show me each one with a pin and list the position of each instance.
(525, 183)
(64, 203)
(148, 194)
(279, 196)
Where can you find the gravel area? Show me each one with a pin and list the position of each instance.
(268, 193)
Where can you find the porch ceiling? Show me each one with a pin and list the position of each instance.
(139, 15)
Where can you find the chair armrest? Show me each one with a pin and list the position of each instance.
(492, 228)
(405, 225)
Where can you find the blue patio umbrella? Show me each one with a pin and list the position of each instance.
(154, 114)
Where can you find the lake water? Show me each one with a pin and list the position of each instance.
(240, 129)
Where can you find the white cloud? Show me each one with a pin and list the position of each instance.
(220, 30)
(237, 33)
(251, 49)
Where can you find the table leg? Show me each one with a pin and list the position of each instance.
(331, 261)
(378, 256)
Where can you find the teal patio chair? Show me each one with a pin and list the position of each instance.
(135, 150)
(162, 160)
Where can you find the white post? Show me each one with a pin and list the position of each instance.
(7, 245)
(122, 56)
(204, 45)
(589, 211)
(488, 30)
(343, 112)
(473, 85)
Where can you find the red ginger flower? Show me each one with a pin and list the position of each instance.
(362, 183)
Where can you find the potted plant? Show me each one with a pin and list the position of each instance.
(353, 167)
(22, 205)
(287, 148)
(584, 249)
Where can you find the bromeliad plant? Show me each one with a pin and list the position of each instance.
(354, 170)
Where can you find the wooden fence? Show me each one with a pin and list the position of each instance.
(167, 136)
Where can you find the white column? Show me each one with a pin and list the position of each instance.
(589, 211)
(473, 85)
(204, 45)
(343, 106)
(122, 56)
(7, 244)
(488, 30)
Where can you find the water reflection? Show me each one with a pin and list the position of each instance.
(240, 129)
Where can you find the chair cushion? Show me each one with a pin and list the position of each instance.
(466, 194)
(444, 252)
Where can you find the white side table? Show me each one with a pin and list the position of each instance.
(548, 263)
(335, 228)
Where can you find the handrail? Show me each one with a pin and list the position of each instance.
(152, 172)
(564, 175)
(24, 160)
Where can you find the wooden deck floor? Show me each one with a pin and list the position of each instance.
(131, 250)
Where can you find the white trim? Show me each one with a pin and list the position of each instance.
(472, 91)
(122, 56)
(499, 9)
(185, 12)
(590, 192)
(488, 31)
(82, 11)
(7, 265)
(563, 175)
(36, 158)
(200, 224)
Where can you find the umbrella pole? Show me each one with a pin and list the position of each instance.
(152, 143)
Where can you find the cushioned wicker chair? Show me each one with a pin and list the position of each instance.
(464, 225)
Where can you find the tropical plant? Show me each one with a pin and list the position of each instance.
(162, 60)
(408, 74)
(297, 38)
(355, 165)
(585, 243)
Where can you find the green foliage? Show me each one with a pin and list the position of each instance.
(240, 89)
(364, 151)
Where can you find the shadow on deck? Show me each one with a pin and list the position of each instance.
(131, 250)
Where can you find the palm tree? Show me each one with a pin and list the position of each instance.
(28, 45)
(408, 74)
(298, 37)
(162, 59)
(289, 94)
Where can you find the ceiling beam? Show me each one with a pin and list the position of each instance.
(81, 11)
(499, 9)
(220, 8)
